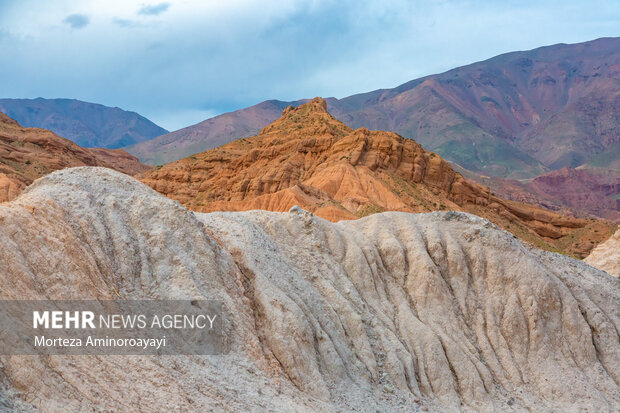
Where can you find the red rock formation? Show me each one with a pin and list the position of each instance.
(29, 153)
(309, 158)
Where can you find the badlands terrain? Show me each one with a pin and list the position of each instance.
(359, 271)
(440, 311)
(311, 159)
(29, 153)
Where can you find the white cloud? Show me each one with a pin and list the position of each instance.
(77, 21)
(153, 9)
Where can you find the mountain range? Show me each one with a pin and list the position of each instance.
(89, 125)
(517, 115)
(310, 159)
(356, 270)
(538, 126)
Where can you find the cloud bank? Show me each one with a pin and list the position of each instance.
(179, 60)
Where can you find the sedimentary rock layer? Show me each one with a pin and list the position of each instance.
(29, 153)
(309, 158)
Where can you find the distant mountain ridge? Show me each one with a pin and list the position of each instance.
(558, 105)
(517, 115)
(87, 124)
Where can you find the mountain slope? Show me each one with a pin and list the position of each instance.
(557, 104)
(207, 134)
(309, 158)
(87, 124)
(29, 153)
(393, 312)
(582, 191)
(517, 115)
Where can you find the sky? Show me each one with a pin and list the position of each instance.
(179, 62)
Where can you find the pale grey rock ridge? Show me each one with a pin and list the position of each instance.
(388, 313)
(606, 256)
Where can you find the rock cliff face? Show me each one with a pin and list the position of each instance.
(28, 153)
(606, 256)
(309, 158)
(393, 312)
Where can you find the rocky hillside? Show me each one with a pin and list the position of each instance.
(311, 159)
(558, 105)
(606, 256)
(517, 115)
(583, 191)
(439, 312)
(87, 124)
(29, 153)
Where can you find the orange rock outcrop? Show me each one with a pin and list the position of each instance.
(29, 153)
(309, 158)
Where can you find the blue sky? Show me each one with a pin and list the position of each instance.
(181, 61)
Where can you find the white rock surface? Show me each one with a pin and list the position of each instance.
(606, 256)
(393, 312)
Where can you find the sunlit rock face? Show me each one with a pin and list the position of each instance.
(310, 159)
(606, 256)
